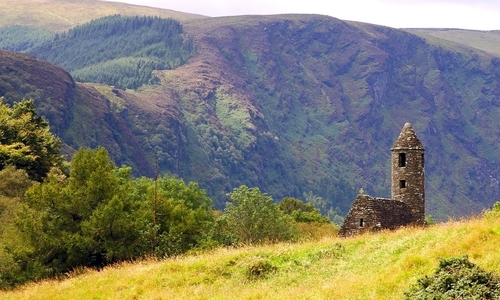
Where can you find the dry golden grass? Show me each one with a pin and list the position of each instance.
(372, 266)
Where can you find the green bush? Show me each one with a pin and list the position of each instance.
(302, 212)
(456, 278)
(253, 218)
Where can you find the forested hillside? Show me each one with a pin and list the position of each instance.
(118, 51)
(61, 15)
(304, 106)
(22, 38)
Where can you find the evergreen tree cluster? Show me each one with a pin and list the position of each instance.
(119, 51)
(21, 38)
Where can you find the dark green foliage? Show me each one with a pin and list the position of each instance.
(456, 278)
(252, 218)
(325, 208)
(23, 38)
(100, 215)
(119, 51)
(88, 219)
(301, 212)
(13, 184)
(26, 142)
(183, 215)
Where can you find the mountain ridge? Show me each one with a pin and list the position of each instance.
(299, 104)
(61, 15)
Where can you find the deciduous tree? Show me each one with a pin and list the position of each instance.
(253, 218)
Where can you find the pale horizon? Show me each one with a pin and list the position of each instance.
(462, 14)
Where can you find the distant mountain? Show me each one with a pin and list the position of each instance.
(486, 41)
(298, 104)
(61, 15)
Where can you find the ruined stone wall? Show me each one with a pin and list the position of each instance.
(407, 205)
(371, 214)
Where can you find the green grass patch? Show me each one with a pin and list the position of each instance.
(372, 266)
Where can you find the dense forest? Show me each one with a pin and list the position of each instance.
(21, 38)
(115, 50)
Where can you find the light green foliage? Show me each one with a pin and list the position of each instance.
(26, 142)
(496, 206)
(429, 220)
(456, 278)
(236, 117)
(252, 218)
(301, 212)
(494, 212)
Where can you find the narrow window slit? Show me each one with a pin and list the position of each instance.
(402, 159)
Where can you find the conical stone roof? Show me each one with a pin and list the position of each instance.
(407, 139)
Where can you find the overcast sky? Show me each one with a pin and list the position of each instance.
(464, 14)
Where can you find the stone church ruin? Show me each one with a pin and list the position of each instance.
(407, 203)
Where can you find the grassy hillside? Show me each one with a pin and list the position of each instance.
(378, 266)
(486, 41)
(61, 15)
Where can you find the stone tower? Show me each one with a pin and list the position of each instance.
(408, 178)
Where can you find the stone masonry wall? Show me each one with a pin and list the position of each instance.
(371, 214)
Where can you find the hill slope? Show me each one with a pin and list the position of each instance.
(486, 41)
(61, 15)
(311, 104)
(328, 98)
(379, 266)
(78, 113)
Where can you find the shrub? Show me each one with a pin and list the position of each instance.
(253, 218)
(456, 278)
